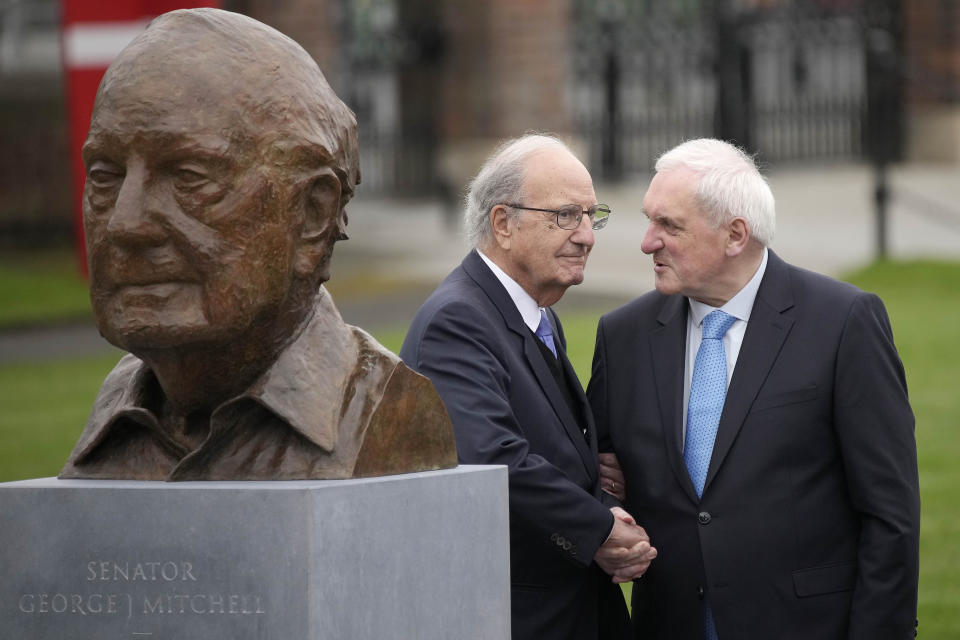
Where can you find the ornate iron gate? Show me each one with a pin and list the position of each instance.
(787, 79)
(390, 52)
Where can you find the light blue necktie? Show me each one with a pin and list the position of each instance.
(545, 332)
(708, 390)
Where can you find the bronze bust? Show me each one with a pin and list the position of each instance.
(219, 165)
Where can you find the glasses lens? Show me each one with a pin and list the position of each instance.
(568, 216)
(599, 215)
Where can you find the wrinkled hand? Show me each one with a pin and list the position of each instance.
(611, 476)
(627, 553)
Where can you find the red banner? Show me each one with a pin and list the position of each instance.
(92, 34)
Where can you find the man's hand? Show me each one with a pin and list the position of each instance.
(611, 476)
(627, 553)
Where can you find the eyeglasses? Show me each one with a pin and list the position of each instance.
(569, 215)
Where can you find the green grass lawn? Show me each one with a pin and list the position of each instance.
(924, 305)
(44, 407)
(41, 287)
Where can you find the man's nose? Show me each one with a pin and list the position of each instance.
(651, 240)
(135, 215)
(583, 234)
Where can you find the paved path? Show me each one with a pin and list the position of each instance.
(405, 247)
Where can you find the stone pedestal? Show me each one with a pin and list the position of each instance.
(422, 555)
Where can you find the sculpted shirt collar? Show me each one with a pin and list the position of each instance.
(526, 305)
(303, 387)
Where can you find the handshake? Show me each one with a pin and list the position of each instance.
(627, 553)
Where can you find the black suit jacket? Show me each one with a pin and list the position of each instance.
(808, 525)
(507, 408)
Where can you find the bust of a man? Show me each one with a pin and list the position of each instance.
(219, 164)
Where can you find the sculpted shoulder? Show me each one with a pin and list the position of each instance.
(410, 429)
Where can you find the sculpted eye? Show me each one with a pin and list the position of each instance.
(189, 178)
(104, 175)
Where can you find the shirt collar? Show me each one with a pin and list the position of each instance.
(303, 387)
(740, 305)
(524, 302)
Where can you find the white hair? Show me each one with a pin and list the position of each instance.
(730, 184)
(500, 181)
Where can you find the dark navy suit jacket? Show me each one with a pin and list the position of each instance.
(809, 521)
(507, 408)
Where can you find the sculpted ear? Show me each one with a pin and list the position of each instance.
(324, 222)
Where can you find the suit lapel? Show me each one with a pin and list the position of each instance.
(475, 267)
(668, 347)
(766, 332)
(590, 442)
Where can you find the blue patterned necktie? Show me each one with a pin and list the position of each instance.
(545, 332)
(708, 390)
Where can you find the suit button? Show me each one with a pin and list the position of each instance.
(700, 591)
(566, 545)
(561, 540)
(554, 536)
(703, 517)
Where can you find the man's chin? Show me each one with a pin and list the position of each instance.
(143, 331)
(137, 339)
(574, 277)
(665, 284)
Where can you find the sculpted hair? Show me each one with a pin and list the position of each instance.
(730, 184)
(500, 181)
(286, 97)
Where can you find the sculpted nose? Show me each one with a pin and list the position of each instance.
(134, 215)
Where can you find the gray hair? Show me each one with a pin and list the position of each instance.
(500, 181)
(730, 184)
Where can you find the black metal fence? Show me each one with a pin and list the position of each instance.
(788, 79)
(390, 49)
(792, 80)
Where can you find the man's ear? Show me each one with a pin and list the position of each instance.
(324, 222)
(738, 235)
(500, 223)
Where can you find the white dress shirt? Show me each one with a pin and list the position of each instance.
(526, 305)
(739, 306)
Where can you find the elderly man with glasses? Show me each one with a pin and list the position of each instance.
(489, 341)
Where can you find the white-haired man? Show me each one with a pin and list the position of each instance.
(495, 351)
(760, 415)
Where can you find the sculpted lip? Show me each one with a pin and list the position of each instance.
(158, 289)
(144, 276)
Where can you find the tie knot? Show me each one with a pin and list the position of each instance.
(544, 329)
(716, 324)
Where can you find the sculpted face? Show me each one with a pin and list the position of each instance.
(190, 238)
(545, 259)
(689, 252)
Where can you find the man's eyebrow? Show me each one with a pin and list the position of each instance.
(96, 143)
(211, 148)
